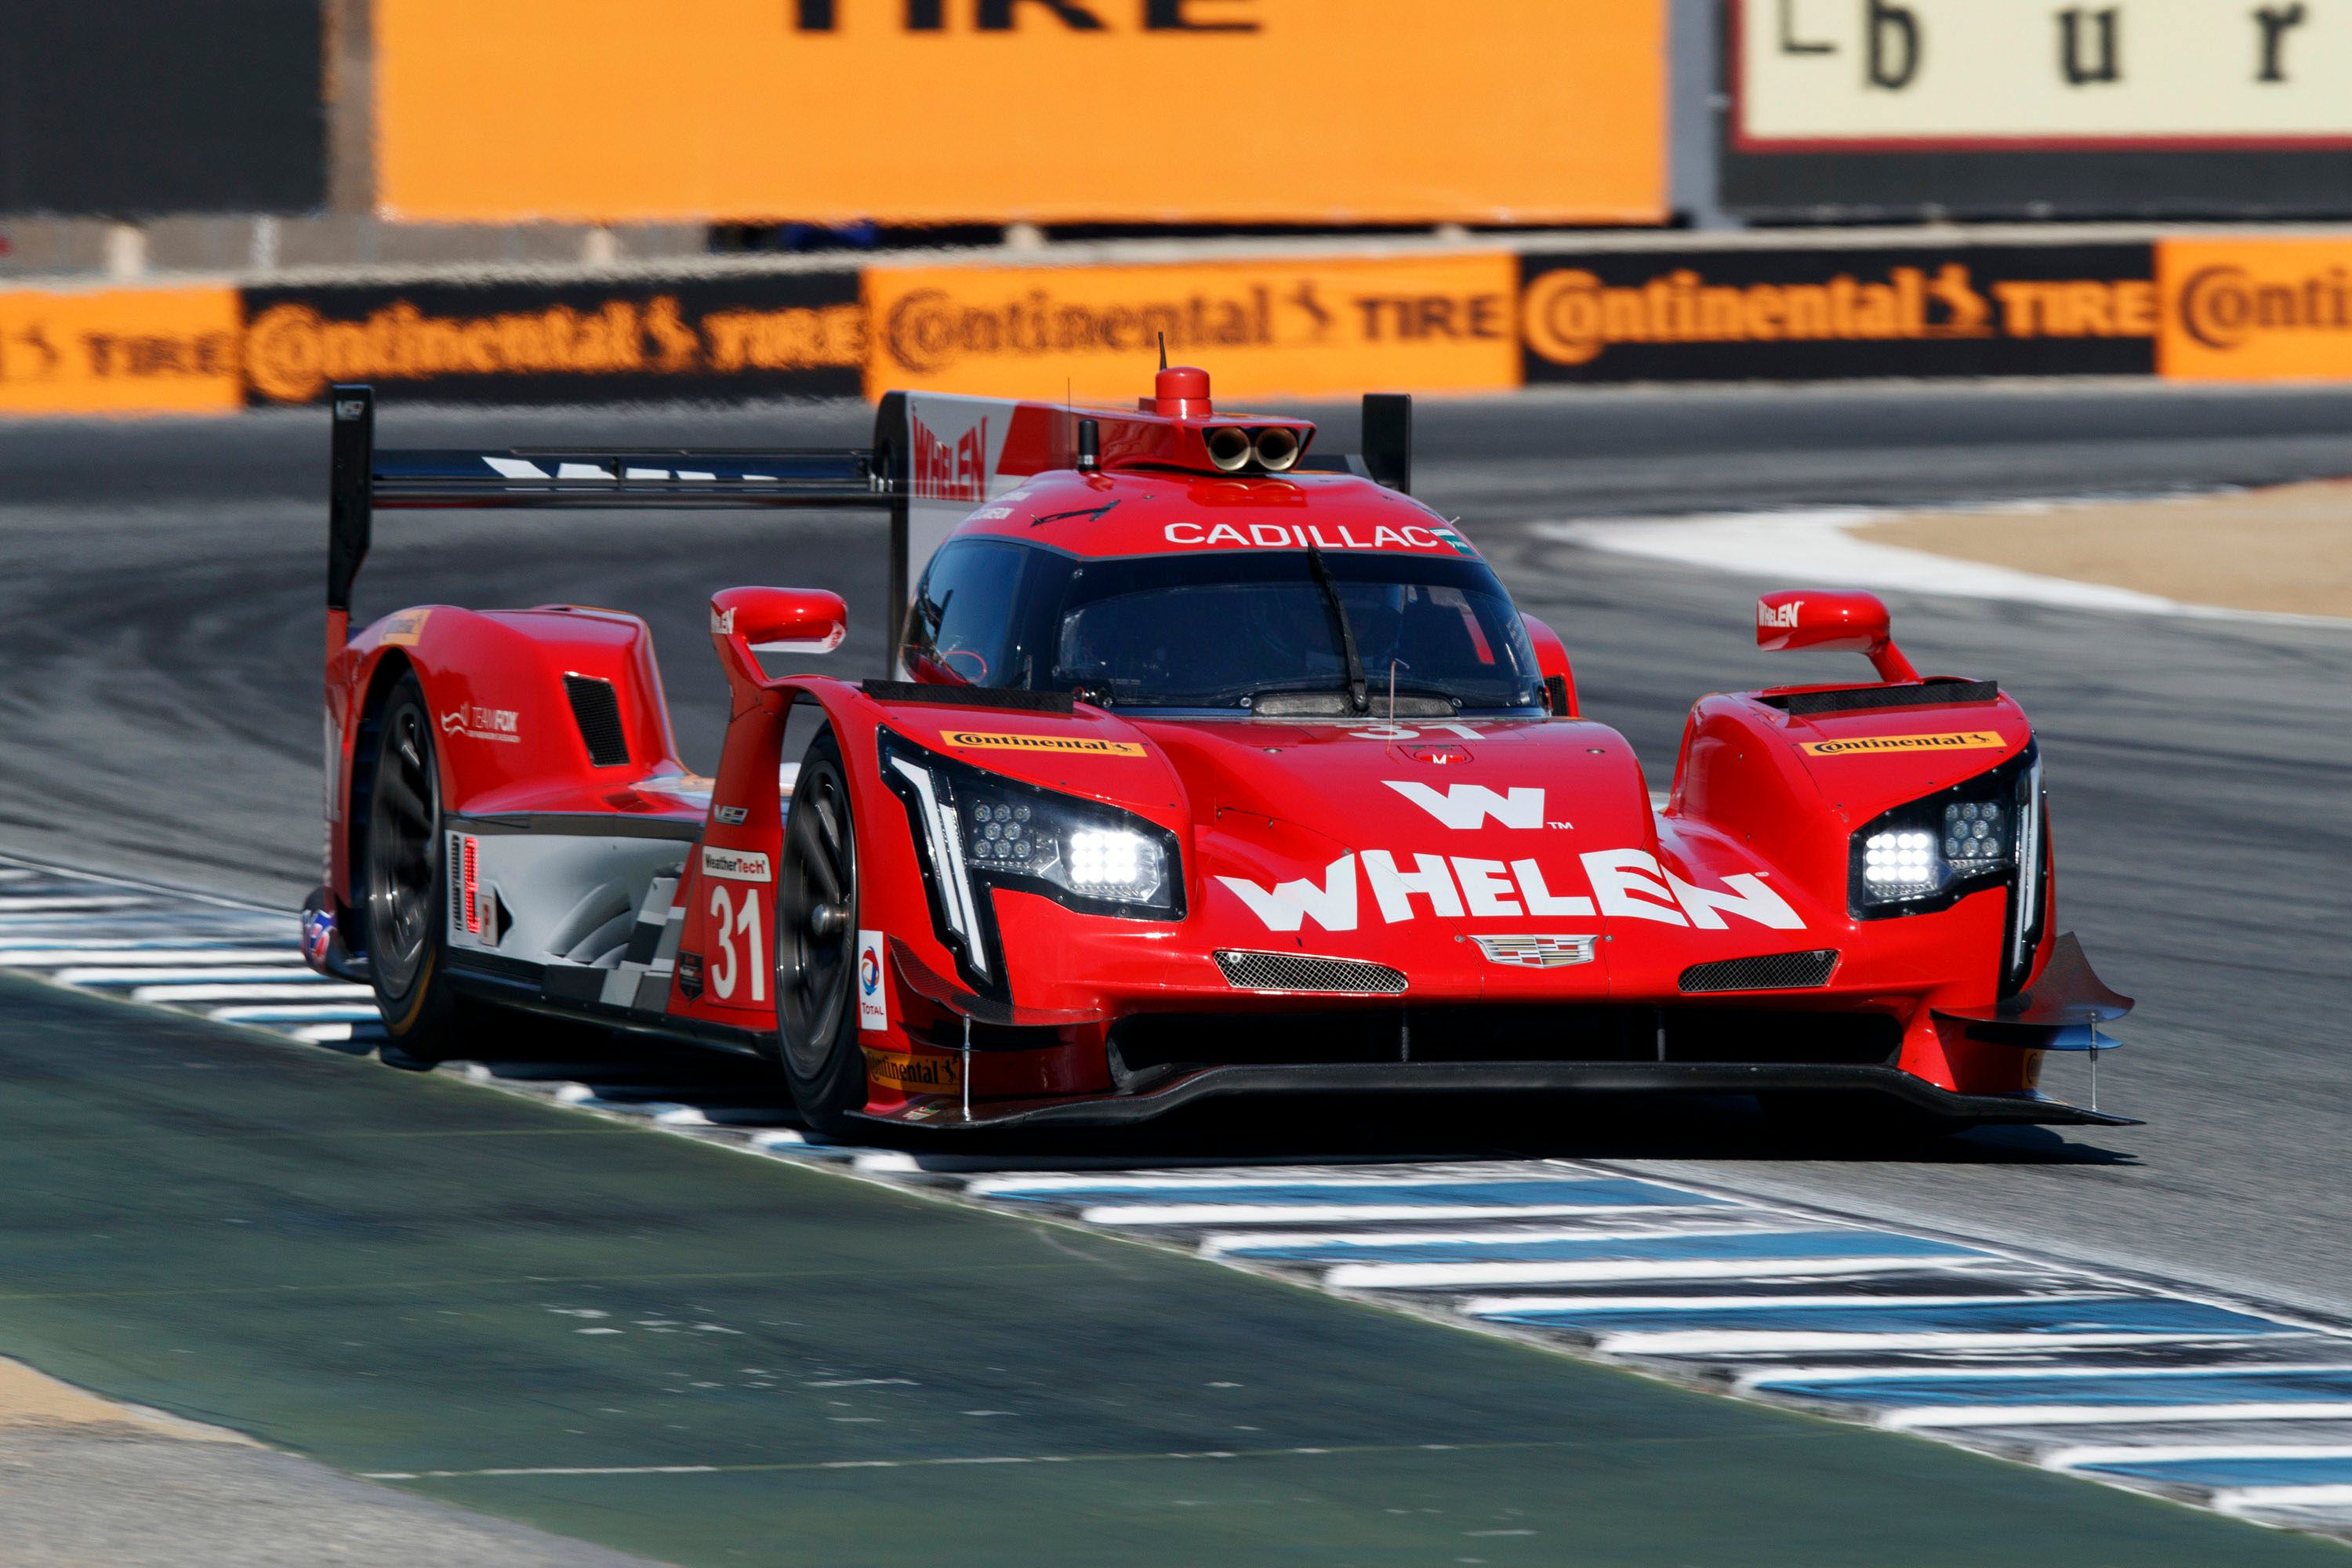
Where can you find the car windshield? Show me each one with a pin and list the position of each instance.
(1222, 630)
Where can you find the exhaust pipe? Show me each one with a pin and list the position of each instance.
(1229, 446)
(1277, 448)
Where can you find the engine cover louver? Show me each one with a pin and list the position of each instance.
(1305, 972)
(598, 713)
(1773, 972)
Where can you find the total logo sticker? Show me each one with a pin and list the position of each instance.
(873, 1001)
(736, 865)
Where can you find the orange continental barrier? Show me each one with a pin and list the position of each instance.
(1050, 111)
(120, 351)
(2256, 309)
(1269, 328)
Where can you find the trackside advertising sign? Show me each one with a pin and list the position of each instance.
(1823, 313)
(2257, 309)
(791, 334)
(1049, 111)
(1336, 326)
(1985, 108)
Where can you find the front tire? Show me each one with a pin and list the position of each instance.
(406, 894)
(816, 944)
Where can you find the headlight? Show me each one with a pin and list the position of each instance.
(1925, 855)
(974, 830)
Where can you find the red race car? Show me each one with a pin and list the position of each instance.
(1207, 765)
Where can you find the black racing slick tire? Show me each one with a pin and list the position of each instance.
(816, 944)
(405, 892)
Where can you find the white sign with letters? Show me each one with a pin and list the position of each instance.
(2085, 73)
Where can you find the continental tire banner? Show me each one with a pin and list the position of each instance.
(1332, 327)
(914, 111)
(732, 338)
(2256, 309)
(120, 351)
(1821, 313)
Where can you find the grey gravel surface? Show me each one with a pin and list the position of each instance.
(88, 1497)
(159, 640)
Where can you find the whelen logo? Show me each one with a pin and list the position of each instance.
(950, 471)
(1627, 884)
(1779, 615)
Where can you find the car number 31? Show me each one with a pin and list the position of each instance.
(730, 922)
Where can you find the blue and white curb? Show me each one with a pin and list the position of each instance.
(230, 962)
(2237, 1408)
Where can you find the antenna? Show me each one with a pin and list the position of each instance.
(1163, 351)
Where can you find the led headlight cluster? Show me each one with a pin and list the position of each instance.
(1927, 854)
(976, 830)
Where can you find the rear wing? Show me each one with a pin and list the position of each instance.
(935, 456)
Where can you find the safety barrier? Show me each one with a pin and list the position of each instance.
(1420, 318)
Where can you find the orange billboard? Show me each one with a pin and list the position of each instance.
(2256, 309)
(914, 111)
(120, 351)
(1263, 328)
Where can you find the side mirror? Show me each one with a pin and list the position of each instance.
(1551, 663)
(1833, 622)
(747, 622)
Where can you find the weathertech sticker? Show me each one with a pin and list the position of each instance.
(736, 865)
(913, 1075)
(1966, 741)
(873, 1000)
(1074, 745)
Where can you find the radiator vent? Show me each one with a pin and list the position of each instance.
(1304, 971)
(598, 713)
(1773, 972)
(1861, 699)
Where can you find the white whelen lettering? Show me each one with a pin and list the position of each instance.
(1486, 887)
(1631, 883)
(1468, 806)
(1394, 890)
(1332, 905)
(1530, 878)
(1748, 898)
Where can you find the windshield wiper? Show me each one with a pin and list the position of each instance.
(1358, 689)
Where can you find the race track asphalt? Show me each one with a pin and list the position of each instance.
(159, 639)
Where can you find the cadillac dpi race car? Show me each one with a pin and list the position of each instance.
(1206, 765)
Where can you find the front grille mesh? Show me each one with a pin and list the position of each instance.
(1305, 972)
(1773, 972)
(598, 713)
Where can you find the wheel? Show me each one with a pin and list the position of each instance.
(406, 894)
(816, 944)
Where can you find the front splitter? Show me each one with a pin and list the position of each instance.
(1496, 1078)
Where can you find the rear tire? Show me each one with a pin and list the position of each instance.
(406, 894)
(816, 944)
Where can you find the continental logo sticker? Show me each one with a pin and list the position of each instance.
(1964, 740)
(913, 1074)
(402, 629)
(1070, 745)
